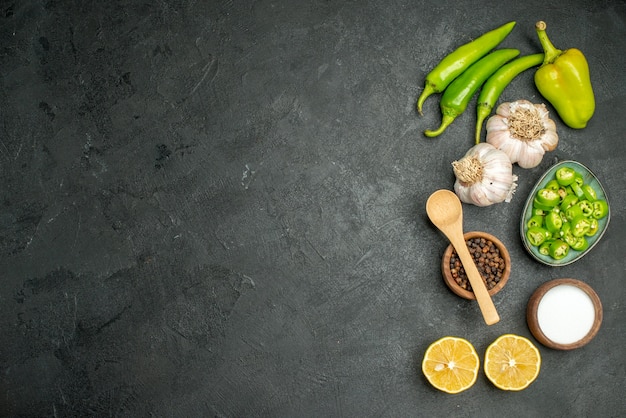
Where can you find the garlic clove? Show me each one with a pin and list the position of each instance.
(497, 123)
(530, 156)
(498, 132)
(504, 110)
(550, 139)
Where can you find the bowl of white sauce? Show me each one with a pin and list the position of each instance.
(564, 314)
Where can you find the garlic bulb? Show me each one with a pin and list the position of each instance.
(524, 131)
(484, 176)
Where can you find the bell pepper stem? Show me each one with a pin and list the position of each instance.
(551, 53)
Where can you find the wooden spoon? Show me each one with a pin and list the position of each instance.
(446, 212)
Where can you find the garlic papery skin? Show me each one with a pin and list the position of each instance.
(524, 131)
(484, 176)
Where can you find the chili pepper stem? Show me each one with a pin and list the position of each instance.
(429, 89)
(550, 51)
(445, 122)
(482, 111)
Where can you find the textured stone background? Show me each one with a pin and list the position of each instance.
(217, 208)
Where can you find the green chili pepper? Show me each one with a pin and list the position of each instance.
(534, 221)
(495, 85)
(456, 97)
(552, 185)
(589, 193)
(580, 244)
(537, 211)
(600, 209)
(460, 59)
(569, 238)
(548, 197)
(586, 207)
(544, 248)
(568, 201)
(537, 235)
(553, 222)
(578, 179)
(559, 249)
(580, 226)
(563, 79)
(541, 206)
(593, 227)
(578, 191)
(565, 176)
(573, 212)
(565, 229)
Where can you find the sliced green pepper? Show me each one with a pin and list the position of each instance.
(578, 179)
(586, 207)
(540, 206)
(593, 227)
(538, 212)
(569, 238)
(565, 229)
(544, 248)
(569, 200)
(552, 185)
(573, 212)
(537, 235)
(534, 221)
(580, 226)
(565, 176)
(589, 192)
(578, 190)
(579, 244)
(548, 197)
(600, 209)
(553, 222)
(559, 249)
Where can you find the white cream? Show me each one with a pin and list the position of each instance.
(565, 314)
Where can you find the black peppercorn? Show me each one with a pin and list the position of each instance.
(488, 261)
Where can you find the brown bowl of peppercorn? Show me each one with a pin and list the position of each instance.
(492, 261)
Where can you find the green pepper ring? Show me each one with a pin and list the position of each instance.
(559, 249)
(565, 176)
(580, 244)
(589, 193)
(580, 226)
(553, 222)
(548, 197)
(600, 209)
(537, 235)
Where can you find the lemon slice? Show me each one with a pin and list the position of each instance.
(451, 364)
(512, 362)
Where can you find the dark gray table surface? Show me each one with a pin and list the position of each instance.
(217, 208)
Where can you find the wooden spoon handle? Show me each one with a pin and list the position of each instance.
(488, 309)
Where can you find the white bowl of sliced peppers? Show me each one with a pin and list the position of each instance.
(565, 215)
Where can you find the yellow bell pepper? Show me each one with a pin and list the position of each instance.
(563, 80)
